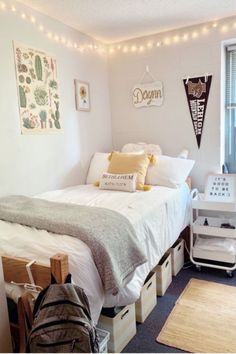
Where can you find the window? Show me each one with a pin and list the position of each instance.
(230, 109)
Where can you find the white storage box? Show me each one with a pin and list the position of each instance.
(147, 300)
(163, 274)
(177, 256)
(215, 249)
(103, 338)
(122, 328)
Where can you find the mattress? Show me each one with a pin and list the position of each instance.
(158, 216)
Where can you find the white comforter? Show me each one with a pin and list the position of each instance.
(158, 217)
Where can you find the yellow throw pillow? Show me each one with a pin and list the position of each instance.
(130, 163)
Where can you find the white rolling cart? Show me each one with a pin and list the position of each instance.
(219, 198)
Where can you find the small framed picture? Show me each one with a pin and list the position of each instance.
(221, 188)
(82, 95)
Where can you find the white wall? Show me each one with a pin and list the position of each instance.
(170, 125)
(30, 164)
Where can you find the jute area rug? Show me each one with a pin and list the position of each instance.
(203, 319)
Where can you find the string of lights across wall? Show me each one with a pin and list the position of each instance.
(163, 40)
(222, 26)
(92, 45)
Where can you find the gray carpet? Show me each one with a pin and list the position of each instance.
(144, 341)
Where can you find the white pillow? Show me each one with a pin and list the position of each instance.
(169, 171)
(119, 182)
(146, 148)
(98, 165)
(183, 154)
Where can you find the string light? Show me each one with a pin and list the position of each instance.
(167, 41)
(176, 39)
(195, 34)
(54, 36)
(204, 30)
(222, 26)
(150, 45)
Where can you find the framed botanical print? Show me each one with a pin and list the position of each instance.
(82, 95)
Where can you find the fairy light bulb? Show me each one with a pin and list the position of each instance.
(56, 37)
(224, 28)
(41, 28)
(185, 37)
(32, 19)
(133, 48)
(13, 9)
(23, 16)
(167, 41)
(176, 39)
(49, 34)
(111, 50)
(215, 24)
(141, 48)
(63, 40)
(194, 34)
(150, 44)
(3, 5)
(204, 30)
(125, 49)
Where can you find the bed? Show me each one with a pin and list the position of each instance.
(158, 217)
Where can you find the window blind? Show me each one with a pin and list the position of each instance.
(230, 107)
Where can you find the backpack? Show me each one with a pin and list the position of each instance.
(62, 321)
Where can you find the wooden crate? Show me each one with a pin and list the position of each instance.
(147, 300)
(177, 256)
(122, 328)
(163, 274)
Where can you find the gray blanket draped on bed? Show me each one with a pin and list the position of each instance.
(109, 235)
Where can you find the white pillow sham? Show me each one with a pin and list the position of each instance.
(119, 182)
(98, 165)
(169, 171)
(146, 148)
(183, 154)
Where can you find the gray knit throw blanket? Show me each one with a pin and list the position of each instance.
(109, 235)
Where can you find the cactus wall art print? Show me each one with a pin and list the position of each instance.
(37, 86)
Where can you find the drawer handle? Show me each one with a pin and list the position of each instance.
(124, 314)
(149, 285)
(166, 263)
(179, 248)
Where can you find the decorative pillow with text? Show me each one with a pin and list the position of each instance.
(119, 182)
